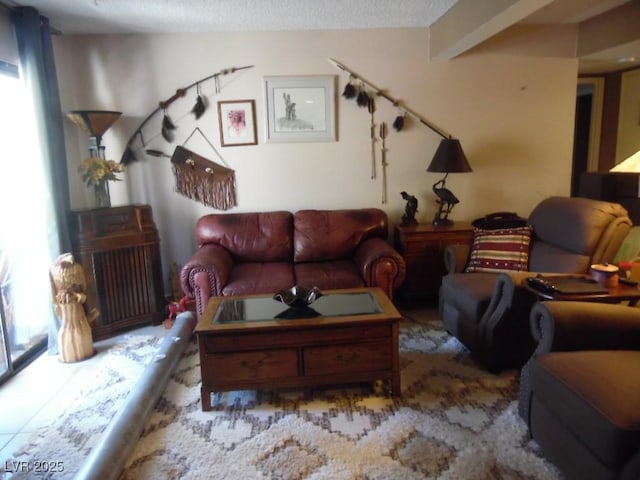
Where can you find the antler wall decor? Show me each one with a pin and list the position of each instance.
(167, 125)
(449, 157)
(398, 123)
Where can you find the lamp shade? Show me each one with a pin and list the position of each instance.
(449, 158)
(629, 165)
(94, 122)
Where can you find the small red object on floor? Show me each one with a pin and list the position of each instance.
(174, 309)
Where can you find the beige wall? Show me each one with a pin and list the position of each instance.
(513, 114)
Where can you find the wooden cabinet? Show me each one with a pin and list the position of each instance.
(119, 249)
(423, 248)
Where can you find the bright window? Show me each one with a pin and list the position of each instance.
(26, 229)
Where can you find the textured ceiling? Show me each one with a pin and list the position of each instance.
(162, 16)
(456, 25)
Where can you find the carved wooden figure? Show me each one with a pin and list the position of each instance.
(68, 283)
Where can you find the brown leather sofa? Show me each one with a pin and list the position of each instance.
(580, 392)
(489, 312)
(251, 253)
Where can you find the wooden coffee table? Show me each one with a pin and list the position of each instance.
(255, 342)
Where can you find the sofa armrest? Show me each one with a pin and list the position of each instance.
(380, 264)
(509, 294)
(456, 257)
(569, 326)
(205, 274)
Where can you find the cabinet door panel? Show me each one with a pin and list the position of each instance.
(365, 357)
(260, 365)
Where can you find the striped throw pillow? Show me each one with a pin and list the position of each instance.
(500, 250)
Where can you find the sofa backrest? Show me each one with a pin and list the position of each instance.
(571, 233)
(321, 235)
(249, 237)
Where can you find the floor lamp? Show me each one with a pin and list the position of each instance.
(94, 123)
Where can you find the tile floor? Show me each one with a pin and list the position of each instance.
(28, 400)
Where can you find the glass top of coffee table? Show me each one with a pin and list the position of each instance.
(255, 309)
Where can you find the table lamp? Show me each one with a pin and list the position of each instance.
(449, 158)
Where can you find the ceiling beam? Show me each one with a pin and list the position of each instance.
(610, 29)
(471, 22)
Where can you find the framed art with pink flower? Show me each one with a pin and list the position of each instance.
(237, 120)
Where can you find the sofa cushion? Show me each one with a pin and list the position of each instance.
(257, 277)
(500, 250)
(596, 395)
(249, 237)
(321, 235)
(328, 275)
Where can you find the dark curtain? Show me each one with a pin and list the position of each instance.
(39, 73)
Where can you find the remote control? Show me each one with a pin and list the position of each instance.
(541, 284)
(628, 281)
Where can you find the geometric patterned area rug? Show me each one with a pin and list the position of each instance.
(453, 421)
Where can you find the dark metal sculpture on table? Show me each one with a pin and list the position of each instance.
(446, 201)
(410, 209)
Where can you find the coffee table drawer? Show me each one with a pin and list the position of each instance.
(260, 365)
(332, 359)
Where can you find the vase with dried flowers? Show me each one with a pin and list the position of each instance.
(97, 172)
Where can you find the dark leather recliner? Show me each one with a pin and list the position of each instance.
(580, 392)
(489, 312)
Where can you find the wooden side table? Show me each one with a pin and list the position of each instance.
(422, 247)
(616, 294)
(119, 249)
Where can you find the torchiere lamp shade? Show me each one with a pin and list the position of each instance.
(449, 158)
(94, 122)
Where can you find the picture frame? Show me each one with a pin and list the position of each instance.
(300, 108)
(237, 120)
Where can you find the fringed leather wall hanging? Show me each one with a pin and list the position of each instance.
(167, 126)
(199, 178)
(202, 180)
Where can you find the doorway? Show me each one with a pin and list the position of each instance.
(588, 123)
